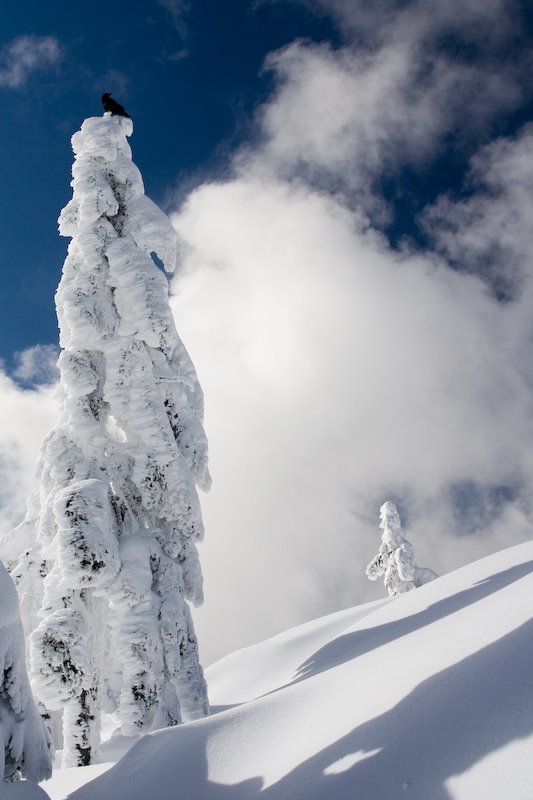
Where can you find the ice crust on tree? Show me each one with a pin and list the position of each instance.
(24, 738)
(395, 559)
(106, 559)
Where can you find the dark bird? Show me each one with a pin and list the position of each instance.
(111, 105)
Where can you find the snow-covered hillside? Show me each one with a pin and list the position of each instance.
(427, 696)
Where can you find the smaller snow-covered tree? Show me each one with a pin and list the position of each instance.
(395, 559)
(24, 738)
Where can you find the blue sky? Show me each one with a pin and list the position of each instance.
(352, 186)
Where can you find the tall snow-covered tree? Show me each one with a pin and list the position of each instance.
(24, 738)
(107, 561)
(395, 559)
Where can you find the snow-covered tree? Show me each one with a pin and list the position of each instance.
(395, 559)
(107, 556)
(24, 738)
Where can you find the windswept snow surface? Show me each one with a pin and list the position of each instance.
(427, 696)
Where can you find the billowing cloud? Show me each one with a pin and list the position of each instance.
(409, 81)
(25, 55)
(381, 21)
(488, 232)
(338, 374)
(349, 118)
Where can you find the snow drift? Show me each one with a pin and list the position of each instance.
(426, 696)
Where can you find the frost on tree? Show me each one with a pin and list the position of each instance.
(108, 548)
(24, 738)
(396, 557)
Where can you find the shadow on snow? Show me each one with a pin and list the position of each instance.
(351, 645)
(448, 723)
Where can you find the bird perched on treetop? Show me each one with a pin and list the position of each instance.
(111, 105)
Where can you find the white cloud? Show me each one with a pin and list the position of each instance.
(489, 232)
(346, 118)
(398, 91)
(27, 54)
(26, 416)
(337, 374)
(374, 22)
(37, 364)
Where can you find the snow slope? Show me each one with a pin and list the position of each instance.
(427, 696)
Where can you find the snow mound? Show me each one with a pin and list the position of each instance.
(22, 791)
(426, 696)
